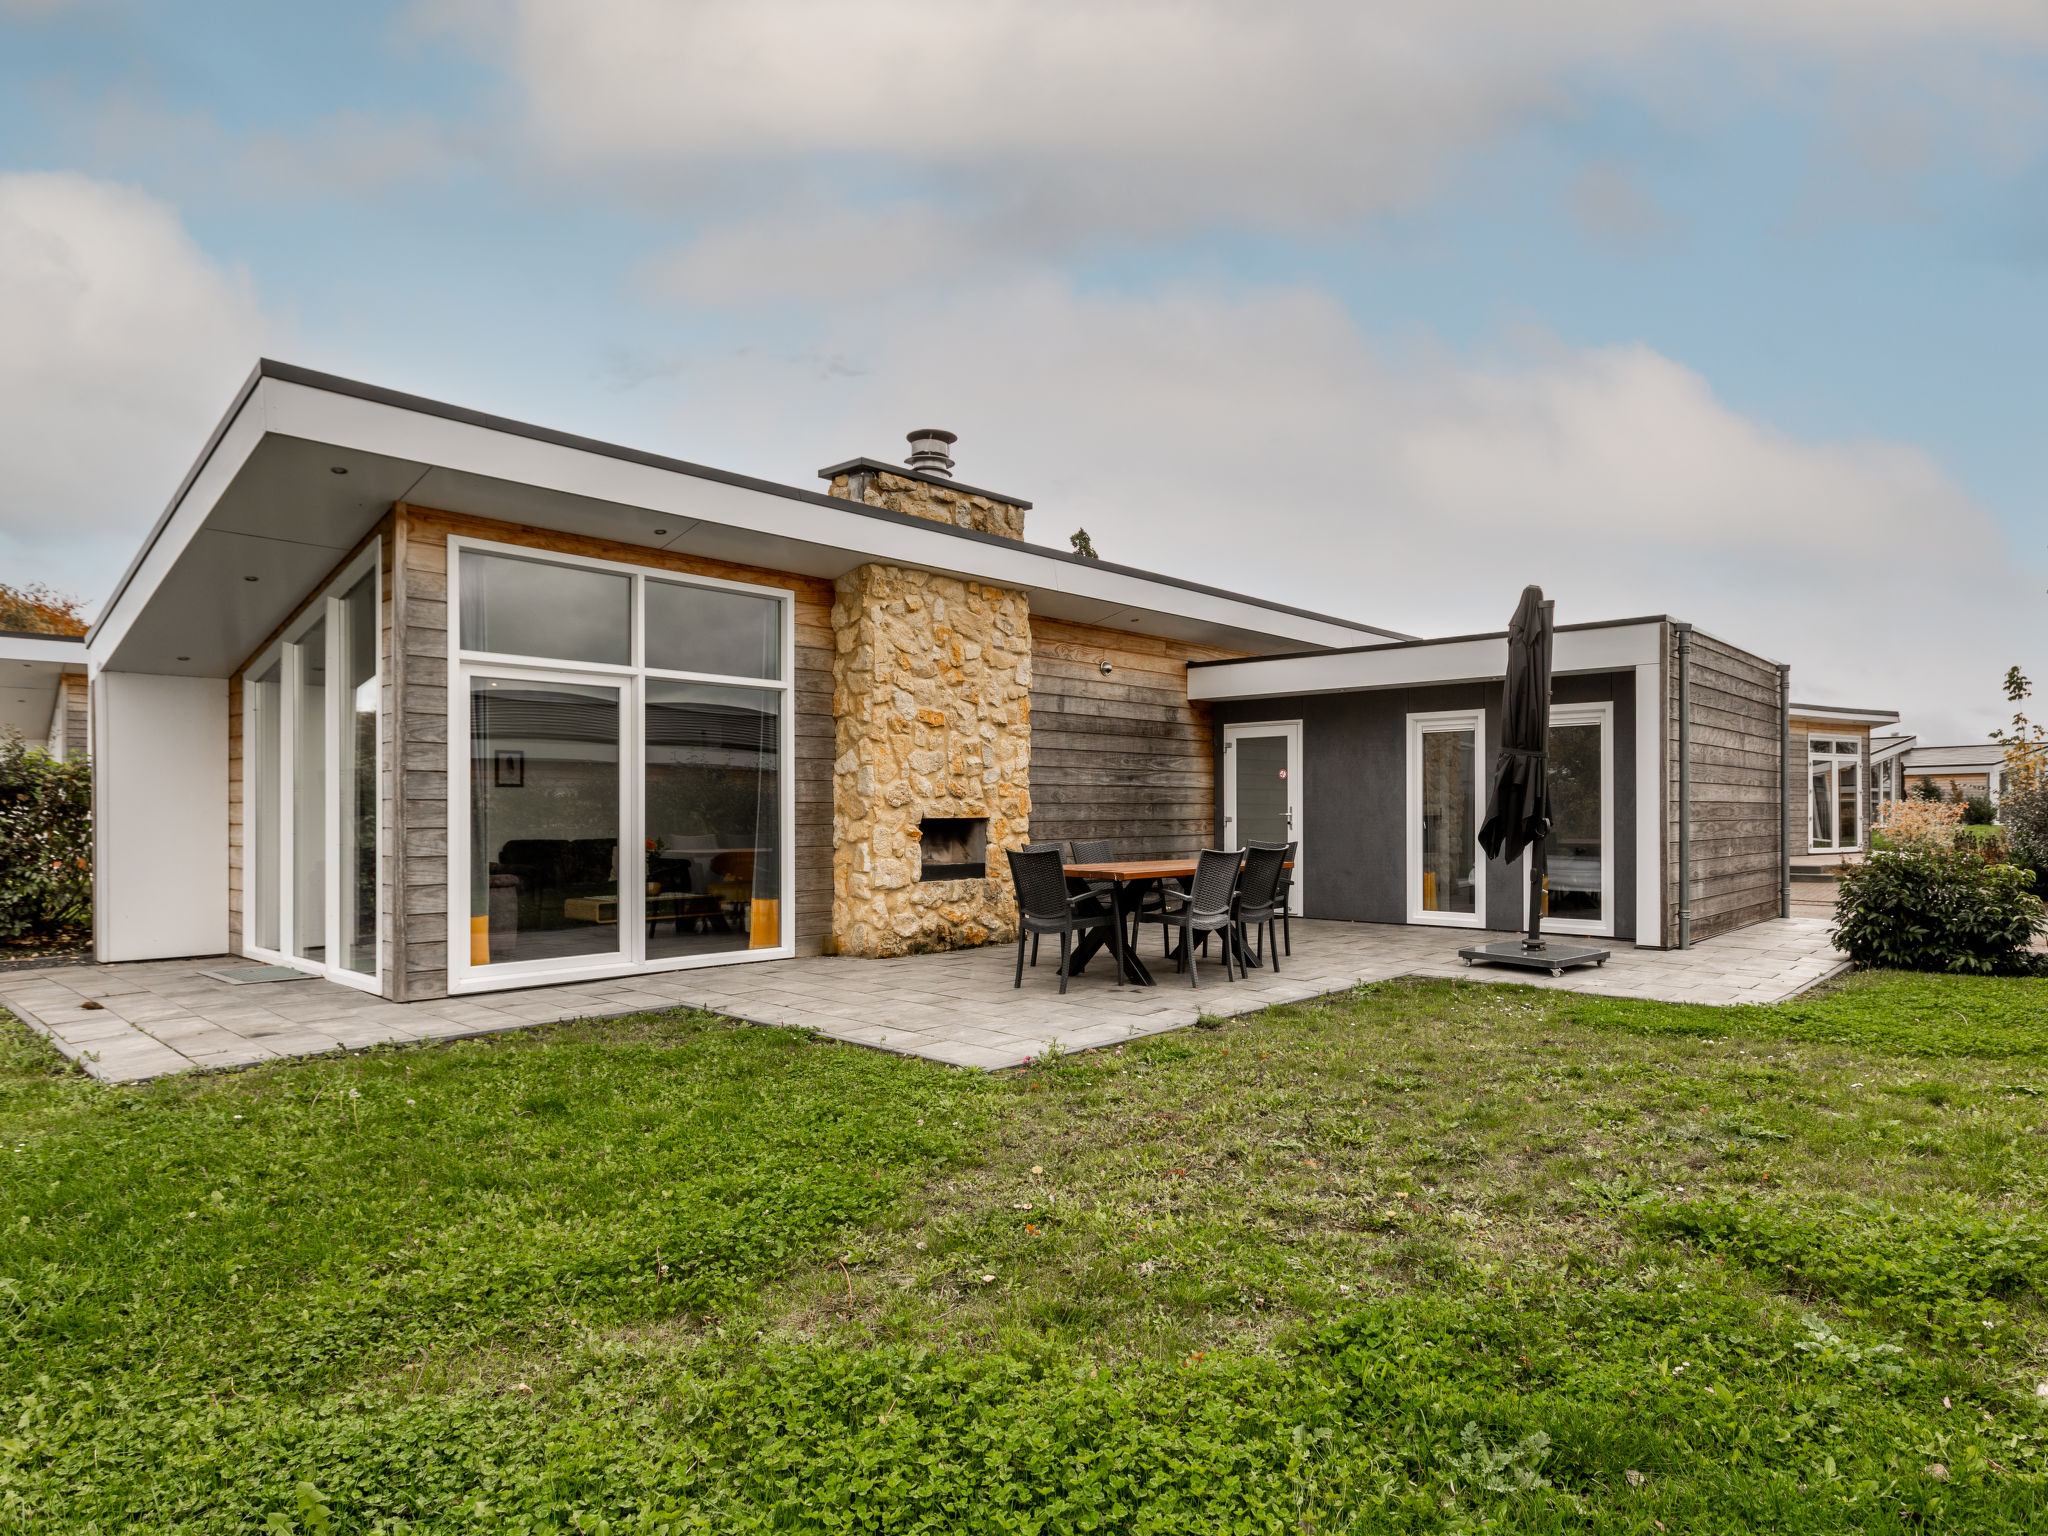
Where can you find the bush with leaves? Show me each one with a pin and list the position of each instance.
(1932, 908)
(1978, 811)
(45, 842)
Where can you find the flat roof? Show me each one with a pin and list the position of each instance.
(1843, 715)
(304, 464)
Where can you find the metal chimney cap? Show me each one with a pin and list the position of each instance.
(928, 447)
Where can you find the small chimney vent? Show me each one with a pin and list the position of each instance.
(929, 453)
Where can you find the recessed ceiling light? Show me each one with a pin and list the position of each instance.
(661, 530)
(338, 469)
(249, 578)
(184, 658)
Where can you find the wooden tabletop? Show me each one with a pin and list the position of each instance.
(1138, 869)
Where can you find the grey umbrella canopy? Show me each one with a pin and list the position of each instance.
(1518, 805)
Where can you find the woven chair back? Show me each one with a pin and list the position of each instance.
(1215, 882)
(1261, 879)
(1041, 881)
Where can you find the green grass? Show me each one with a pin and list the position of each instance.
(1425, 1256)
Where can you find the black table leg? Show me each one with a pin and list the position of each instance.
(1131, 967)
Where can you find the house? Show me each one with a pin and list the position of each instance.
(1901, 767)
(1836, 802)
(433, 702)
(43, 691)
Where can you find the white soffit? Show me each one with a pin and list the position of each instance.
(1827, 715)
(266, 502)
(1483, 658)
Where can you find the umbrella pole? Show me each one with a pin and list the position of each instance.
(1539, 866)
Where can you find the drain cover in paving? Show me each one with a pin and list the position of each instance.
(249, 975)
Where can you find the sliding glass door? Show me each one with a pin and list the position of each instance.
(310, 786)
(626, 804)
(1579, 856)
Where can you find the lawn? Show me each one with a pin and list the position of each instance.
(1419, 1257)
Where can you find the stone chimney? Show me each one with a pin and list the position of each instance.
(923, 486)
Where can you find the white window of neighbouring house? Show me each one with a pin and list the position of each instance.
(1579, 857)
(1446, 874)
(1835, 793)
(310, 786)
(626, 803)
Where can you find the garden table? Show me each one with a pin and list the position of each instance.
(1128, 881)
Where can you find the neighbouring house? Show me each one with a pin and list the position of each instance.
(1975, 771)
(1834, 800)
(43, 691)
(434, 702)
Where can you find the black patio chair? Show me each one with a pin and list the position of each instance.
(1285, 895)
(1257, 900)
(1043, 906)
(1061, 850)
(1208, 905)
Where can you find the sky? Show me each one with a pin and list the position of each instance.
(1725, 309)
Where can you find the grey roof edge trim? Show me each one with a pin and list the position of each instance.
(1843, 709)
(292, 373)
(1410, 643)
(198, 468)
(947, 482)
(38, 634)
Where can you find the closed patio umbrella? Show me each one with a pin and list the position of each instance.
(1518, 804)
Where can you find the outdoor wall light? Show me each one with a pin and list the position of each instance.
(1107, 669)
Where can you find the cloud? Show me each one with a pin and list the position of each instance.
(1148, 113)
(1258, 441)
(125, 341)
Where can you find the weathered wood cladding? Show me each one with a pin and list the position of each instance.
(1735, 738)
(1125, 755)
(420, 803)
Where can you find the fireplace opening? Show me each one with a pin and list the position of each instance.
(955, 847)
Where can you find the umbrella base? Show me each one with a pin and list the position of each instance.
(1553, 957)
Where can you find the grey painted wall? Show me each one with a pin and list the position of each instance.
(1355, 799)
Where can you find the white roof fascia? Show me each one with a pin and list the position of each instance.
(1890, 748)
(1933, 759)
(1607, 648)
(63, 650)
(297, 410)
(1830, 715)
(180, 524)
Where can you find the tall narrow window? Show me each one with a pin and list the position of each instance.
(1450, 823)
(358, 764)
(544, 820)
(1574, 853)
(309, 795)
(713, 815)
(265, 753)
(1848, 801)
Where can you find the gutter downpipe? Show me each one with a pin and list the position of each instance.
(1785, 790)
(1684, 633)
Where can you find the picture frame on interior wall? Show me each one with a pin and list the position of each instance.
(1445, 869)
(629, 905)
(508, 768)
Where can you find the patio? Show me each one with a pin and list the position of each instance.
(155, 1018)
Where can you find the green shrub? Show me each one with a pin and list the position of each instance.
(2023, 815)
(45, 842)
(1978, 811)
(1939, 909)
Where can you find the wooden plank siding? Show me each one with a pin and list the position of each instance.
(1737, 834)
(1124, 756)
(423, 749)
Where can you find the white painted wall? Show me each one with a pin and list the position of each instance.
(160, 816)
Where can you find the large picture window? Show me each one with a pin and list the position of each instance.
(1579, 855)
(310, 783)
(626, 804)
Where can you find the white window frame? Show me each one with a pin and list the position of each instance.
(1291, 729)
(1836, 758)
(1602, 715)
(1473, 720)
(328, 606)
(630, 959)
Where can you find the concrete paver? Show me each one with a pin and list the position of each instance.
(161, 1017)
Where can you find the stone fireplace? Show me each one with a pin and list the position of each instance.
(952, 848)
(931, 707)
